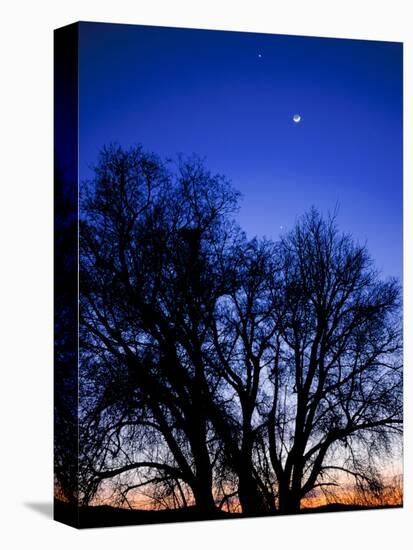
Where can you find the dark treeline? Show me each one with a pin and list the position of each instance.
(217, 370)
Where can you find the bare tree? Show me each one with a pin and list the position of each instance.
(243, 328)
(148, 288)
(337, 368)
(220, 371)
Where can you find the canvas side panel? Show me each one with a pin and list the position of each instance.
(66, 275)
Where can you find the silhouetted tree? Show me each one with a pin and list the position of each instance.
(216, 369)
(149, 284)
(243, 328)
(337, 400)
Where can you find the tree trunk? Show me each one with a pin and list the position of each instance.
(203, 478)
(251, 500)
(288, 500)
(204, 499)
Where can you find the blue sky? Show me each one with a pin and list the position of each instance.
(230, 97)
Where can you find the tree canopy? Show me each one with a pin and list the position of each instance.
(222, 371)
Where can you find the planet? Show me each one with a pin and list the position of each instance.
(296, 118)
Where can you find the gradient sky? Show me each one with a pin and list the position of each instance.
(230, 97)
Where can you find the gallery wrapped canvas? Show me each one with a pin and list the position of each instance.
(228, 274)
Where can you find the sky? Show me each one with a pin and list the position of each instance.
(230, 98)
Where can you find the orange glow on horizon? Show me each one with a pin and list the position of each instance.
(392, 495)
